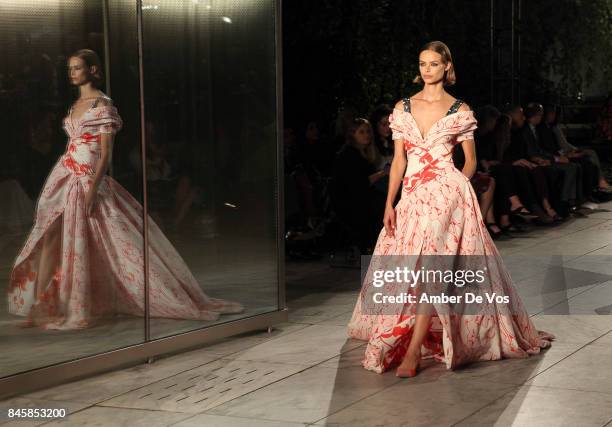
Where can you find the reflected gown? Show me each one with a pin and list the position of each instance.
(438, 214)
(98, 267)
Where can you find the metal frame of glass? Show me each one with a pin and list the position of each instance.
(146, 351)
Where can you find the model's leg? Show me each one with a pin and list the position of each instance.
(413, 353)
(422, 324)
(49, 256)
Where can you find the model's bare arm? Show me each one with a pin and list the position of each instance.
(397, 170)
(396, 175)
(469, 151)
(106, 142)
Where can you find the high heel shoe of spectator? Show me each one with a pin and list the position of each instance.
(495, 234)
(522, 214)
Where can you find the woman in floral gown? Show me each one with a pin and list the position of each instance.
(84, 256)
(437, 215)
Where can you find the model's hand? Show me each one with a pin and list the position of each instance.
(90, 200)
(389, 220)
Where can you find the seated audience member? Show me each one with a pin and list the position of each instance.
(382, 134)
(484, 187)
(508, 202)
(314, 151)
(166, 186)
(354, 199)
(552, 118)
(314, 162)
(544, 180)
(548, 141)
(572, 195)
(384, 144)
(340, 127)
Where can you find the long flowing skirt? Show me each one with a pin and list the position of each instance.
(442, 217)
(97, 261)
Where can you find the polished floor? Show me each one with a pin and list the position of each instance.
(306, 371)
(248, 279)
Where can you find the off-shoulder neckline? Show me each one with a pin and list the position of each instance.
(424, 138)
(94, 106)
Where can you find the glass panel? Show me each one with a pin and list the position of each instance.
(64, 268)
(210, 104)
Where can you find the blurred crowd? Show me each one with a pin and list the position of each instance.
(530, 173)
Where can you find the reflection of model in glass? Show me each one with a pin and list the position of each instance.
(438, 214)
(84, 256)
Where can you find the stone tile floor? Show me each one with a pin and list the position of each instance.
(306, 372)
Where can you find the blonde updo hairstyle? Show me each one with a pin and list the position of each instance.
(91, 59)
(444, 51)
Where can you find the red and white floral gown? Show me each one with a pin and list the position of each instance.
(438, 214)
(101, 266)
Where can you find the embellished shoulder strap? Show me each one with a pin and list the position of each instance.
(406, 102)
(106, 101)
(455, 107)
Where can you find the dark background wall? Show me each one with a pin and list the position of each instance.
(363, 52)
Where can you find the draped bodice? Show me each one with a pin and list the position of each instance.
(430, 155)
(84, 137)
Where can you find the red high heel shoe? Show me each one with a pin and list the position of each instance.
(407, 372)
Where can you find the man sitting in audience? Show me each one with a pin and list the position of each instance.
(552, 134)
(548, 142)
(545, 181)
(572, 195)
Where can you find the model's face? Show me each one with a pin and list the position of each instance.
(78, 71)
(431, 67)
(551, 116)
(383, 128)
(363, 136)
